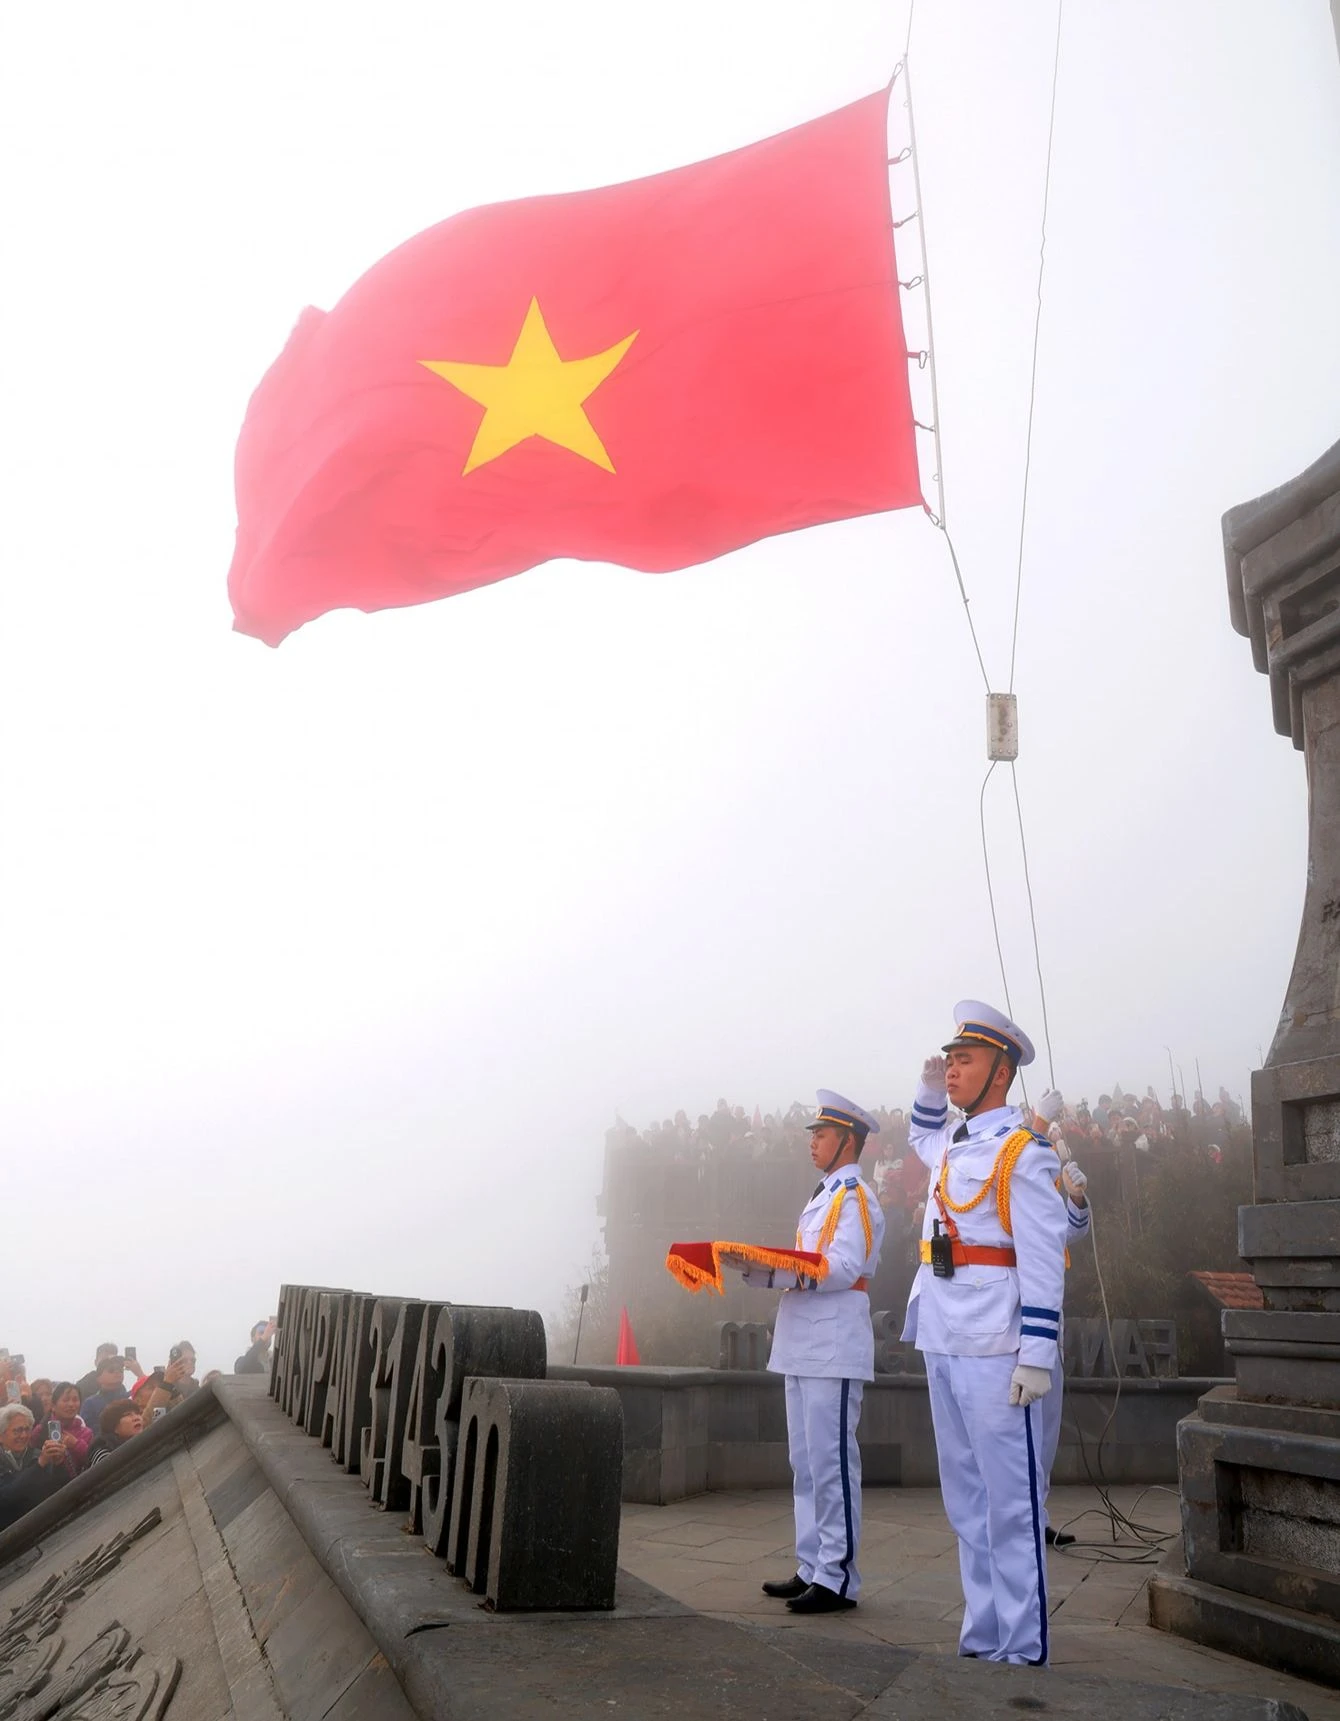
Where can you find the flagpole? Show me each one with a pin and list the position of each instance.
(926, 283)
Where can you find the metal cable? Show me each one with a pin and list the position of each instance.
(1037, 325)
(1149, 1541)
(941, 522)
(990, 893)
(963, 593)
(1033, 922)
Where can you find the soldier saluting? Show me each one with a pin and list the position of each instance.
(985, 1310)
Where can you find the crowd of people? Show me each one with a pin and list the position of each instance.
(1120, 1128)
(1099, 1135)
(53, 1430)
(728, 1133)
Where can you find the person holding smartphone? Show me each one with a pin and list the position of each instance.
(168, 1384)
(257, 1359)
(74, 1435)
(88, 1383)
(109, 1379)
(28, 1474)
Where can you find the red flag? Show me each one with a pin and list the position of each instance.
(627, 1352)
(649, 374)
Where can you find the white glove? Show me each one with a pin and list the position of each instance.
(933, 1075)
(1050, 1106)
(1074, 1182)
(1028, 1384)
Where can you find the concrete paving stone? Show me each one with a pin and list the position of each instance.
(861, 1667)
(912, 1597)
(1136, 1611)
(752, 1523)
(991, 1692)
(1089, 1605)
(928, 1641)
(917, 1590)
(694, 1535)
(735, 1550)
(727, 1595)
(1154, 1655)
(907, 1541)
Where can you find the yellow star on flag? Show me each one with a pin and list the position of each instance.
(535, 393)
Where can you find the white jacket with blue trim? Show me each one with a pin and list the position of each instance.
(982, 1310)
(824, 1329)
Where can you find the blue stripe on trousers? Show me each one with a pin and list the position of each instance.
(1037, 1536)
(846, 1485)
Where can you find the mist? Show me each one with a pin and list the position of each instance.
(333, 964)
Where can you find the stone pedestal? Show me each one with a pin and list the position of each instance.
(1260, 1463)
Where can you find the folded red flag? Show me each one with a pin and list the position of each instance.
(698, 1265)
(650, 374)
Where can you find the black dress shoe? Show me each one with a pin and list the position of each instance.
(788, 1589)
(818, 1599)
(1058, 1538)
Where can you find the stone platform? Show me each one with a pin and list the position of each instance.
(221, 1566)
(694, 1430)
(713, 1553)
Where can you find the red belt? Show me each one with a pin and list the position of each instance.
(974, 1255)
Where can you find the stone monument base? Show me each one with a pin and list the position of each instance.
(223, 1566)
(1261, 1523)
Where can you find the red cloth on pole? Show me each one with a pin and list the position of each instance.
(650, 374)
(627, 1352)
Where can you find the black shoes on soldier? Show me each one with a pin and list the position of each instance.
(818, 1599)
(787, 1591)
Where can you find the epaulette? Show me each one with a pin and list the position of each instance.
(850, 1182)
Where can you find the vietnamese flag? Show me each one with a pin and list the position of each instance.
(649, 374)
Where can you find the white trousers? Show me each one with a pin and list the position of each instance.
(994, 1484)
(821, 1419)
(1050, 1408)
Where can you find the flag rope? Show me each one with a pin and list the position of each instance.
(1037, 327)
(940, 521)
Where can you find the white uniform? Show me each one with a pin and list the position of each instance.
(825, 1346)
(974, 1328)
(1077, 1228)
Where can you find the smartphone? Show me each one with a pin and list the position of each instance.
(158, 1410)
(12, 1392)
(18, 1359)
(53, 1430)
(174, 1355)
(129, 1354)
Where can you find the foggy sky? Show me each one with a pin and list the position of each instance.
(332, 964)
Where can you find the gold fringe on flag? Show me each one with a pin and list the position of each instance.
(697, 1266)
